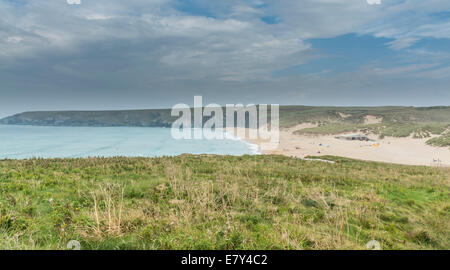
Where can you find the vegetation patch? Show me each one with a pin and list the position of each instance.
(416, 130)
(441, 141)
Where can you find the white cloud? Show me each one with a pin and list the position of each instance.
(14, 40)
(408, 22)
(438, 73)
(97, 16)
(374, 2)
(409, 70)
(74, 2)
(402, 42)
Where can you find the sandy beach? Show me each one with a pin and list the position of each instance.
(407, 151)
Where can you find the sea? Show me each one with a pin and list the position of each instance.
(24, 142)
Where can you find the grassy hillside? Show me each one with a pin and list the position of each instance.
(393, 121)
(289, 116)
(292, 115)
(222, 202)
(137, 118)
(417, 130)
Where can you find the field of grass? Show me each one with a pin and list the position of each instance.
(222, 202)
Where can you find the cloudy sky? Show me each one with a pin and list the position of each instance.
(124, 54)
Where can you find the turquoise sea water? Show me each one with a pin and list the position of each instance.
(20, 142)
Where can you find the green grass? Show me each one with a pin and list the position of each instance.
(293, 115)
(441, 141)
(222, 202)
(396, 121)
(417, 130)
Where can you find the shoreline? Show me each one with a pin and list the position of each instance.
(254, 147)
(404, 151)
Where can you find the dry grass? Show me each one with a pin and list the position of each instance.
(221, 202)
(108, 206)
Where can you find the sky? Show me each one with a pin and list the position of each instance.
(137, 54)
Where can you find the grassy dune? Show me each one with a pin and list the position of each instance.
(417, 130)
(441, 141)
(394, 121)
(354, 116)
(222, 202)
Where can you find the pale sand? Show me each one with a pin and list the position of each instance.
(408, 151)
(370, 119)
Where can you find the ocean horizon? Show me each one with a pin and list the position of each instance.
(24, 142)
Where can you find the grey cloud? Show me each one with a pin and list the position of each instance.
(136, 53)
